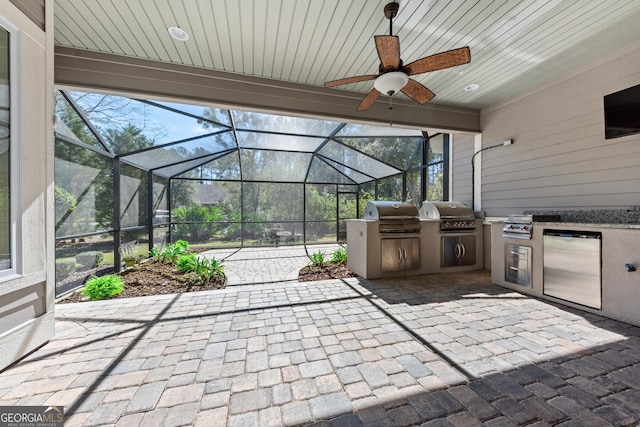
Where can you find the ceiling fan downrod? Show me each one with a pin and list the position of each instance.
(390, 12)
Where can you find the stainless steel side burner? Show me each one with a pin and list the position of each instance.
(521, 226)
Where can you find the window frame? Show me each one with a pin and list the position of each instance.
(15, 49)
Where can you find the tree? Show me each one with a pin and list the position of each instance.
(129, 138)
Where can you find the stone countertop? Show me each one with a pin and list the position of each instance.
(569, 225)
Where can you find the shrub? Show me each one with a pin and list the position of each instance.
(186, 263)
(339, 256)
(64, 267)
(317, 259)
(197, 222)
(89, 259)
(64, 201)
(102, 287)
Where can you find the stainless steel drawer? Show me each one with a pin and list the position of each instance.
(517, 264)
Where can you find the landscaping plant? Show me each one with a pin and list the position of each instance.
(206, 269)
(174, 250)
(317, 259)
(107, 286)
(201, 269)
(339, 256)
(155, 254)
(186, 263)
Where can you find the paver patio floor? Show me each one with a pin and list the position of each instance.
(445, 349)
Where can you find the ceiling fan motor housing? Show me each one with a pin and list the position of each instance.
(391, 10)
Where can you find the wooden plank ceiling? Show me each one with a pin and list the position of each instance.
(515, 44)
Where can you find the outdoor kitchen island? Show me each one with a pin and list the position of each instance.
(393, 240)
(617, 266)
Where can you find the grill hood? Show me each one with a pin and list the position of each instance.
(387, 211)
(444, 211)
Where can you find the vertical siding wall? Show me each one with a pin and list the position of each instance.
(560, 159)
(27, 298)
(462, 150)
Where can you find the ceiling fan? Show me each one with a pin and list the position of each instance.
(393, 76)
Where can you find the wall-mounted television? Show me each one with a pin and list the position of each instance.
(622, 113)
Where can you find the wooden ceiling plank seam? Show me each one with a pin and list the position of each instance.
(222, 26)
(340, 44)
(78, 19)
(344, 58)
(408, 24)
(446, 40)
(282, 33)
(148, 31)
(365, 60)
(60, 12)
(211, 54)
(246, 35)
(504, 32)
(442, 81)
(192, 28)
(270, 36)
(141, 35)
(289, 54)
(313, 14)
(337, 22)
(157, 27)
(123, 33)
(437, 15)
(259, 40)
(212, 33)
(195, 15)
(64, 32)
(445, 79)
(182, 48)
(327, 39)
(549, 43)
(496, 62)
(307, 37)
(159, 22)
(235, 33)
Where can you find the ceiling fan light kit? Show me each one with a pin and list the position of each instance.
(393, 75)
(390, 83)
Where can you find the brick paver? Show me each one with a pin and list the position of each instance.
(446, 349)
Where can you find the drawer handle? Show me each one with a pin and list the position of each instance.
(514, 268)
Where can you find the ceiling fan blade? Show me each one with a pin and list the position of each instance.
(417, 91)
(439, 61)
(389, 52)
(348, 80)
(369, 100)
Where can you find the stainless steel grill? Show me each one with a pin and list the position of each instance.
(395, 218)
(453, 216)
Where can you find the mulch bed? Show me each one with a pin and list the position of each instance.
(157, 278)
(153, 278)
(329, 271)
